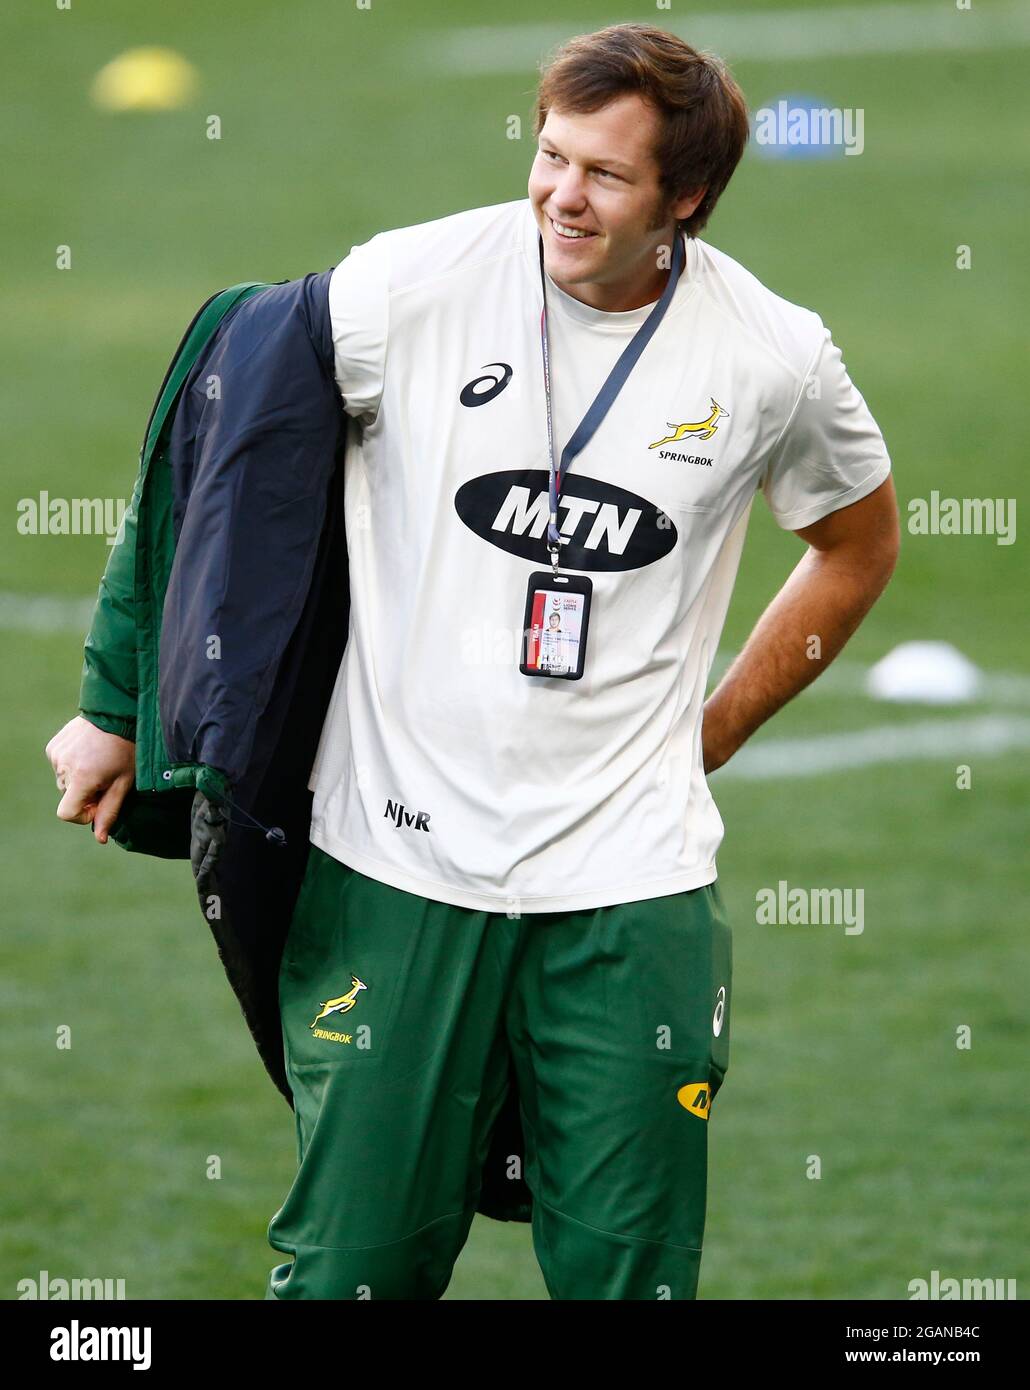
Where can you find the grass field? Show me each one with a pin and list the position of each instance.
(337, 123)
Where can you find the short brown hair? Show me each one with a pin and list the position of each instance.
(703, 112)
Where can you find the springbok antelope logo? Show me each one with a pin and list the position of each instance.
(704, 429)
(342, 1004)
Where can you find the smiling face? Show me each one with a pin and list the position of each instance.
(594, 187)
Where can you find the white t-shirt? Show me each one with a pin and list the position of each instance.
(442, 769)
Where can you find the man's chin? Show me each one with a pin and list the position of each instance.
(573, 266)
(570, 278)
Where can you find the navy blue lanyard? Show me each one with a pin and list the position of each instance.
(605, 398)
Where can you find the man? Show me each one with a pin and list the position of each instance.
(554, 654)
(472, 908)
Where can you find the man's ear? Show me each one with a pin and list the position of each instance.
(687, 204)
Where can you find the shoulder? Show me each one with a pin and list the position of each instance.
(405, 258)
(783, 332)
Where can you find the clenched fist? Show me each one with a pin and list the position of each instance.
(94, 770)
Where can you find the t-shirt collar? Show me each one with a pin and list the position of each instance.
(573, 308)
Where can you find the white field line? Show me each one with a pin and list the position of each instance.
(45, 613)
(931, 739)
(752, 35)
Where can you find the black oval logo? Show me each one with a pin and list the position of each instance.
(471, 396)
(609, 528)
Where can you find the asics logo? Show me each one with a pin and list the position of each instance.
(720, 1007)
(476, 393)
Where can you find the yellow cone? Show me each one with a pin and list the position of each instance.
(145, 79)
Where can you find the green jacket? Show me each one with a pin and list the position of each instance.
(236, 528)
(119, 687)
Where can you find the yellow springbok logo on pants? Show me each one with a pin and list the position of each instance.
(703, 429)
(341, 1005)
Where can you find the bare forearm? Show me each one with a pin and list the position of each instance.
(798, 635)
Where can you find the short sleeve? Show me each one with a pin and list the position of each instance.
(831, 452)
(359, 315)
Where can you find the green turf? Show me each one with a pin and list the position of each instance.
(843, 1047)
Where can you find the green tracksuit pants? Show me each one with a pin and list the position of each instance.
(400, 1015)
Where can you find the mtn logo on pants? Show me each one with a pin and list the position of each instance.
(696, 1097)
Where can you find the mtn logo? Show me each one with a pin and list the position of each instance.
(609, 528)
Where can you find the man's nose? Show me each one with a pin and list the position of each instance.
(569, 190)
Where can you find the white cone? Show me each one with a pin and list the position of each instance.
(933, 673)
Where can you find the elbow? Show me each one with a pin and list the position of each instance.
(891, 547)
(886, 559)
(883, 547)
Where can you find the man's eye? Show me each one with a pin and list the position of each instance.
(608, 173)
